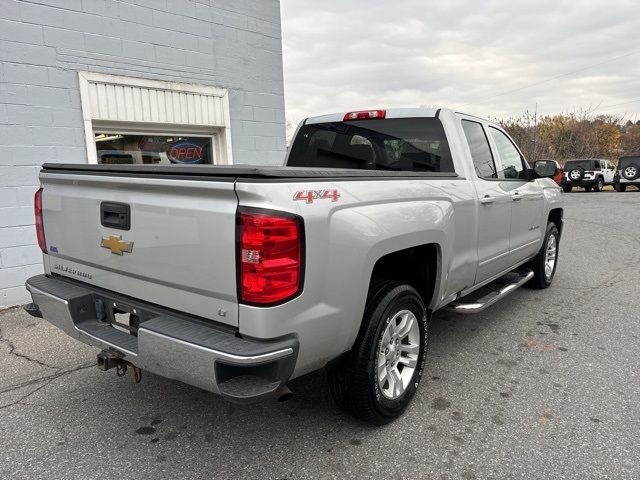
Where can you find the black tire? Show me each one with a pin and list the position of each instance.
(353, 378)
(567, 188)
(599, 185)
(620, 187)
(540, 280)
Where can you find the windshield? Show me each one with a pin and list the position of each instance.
(399, 144)
(584, 164)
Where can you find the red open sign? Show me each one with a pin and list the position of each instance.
(186, 152)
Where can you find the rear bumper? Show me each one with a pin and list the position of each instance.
(172, 345)
(581, 183)
(623, 180)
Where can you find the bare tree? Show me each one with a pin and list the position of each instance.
(580, 134)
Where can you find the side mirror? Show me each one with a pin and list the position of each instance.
(545, 168)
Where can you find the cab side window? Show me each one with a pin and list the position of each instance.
(512, 162)
(480, 150)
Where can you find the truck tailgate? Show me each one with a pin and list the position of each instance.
(179, 251)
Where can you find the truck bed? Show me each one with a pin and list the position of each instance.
(234, 171)
(179, 225)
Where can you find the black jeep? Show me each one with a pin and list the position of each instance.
(628, 173)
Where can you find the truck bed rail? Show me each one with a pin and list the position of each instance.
(231, 172)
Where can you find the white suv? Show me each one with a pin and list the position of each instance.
(591, 174)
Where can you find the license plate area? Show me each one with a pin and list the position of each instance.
(122, 316)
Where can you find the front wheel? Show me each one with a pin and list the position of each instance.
(546, 261)
(378, 378)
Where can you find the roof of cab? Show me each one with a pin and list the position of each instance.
(392, 113)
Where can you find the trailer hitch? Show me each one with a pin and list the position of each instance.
(108, 359)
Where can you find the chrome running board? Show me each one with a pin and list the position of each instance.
(489, 294)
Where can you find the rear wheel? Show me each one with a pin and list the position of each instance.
(567, 188)
(599, 185)
(377, 379)
(588, 188)
(545, 263)
(620, 187)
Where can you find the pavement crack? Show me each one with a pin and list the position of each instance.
(13, 351)
(24, 397)
(47, 378)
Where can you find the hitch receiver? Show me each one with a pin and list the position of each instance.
(108, 359)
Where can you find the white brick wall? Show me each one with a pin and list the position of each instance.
(235, 44)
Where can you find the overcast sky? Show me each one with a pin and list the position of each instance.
(473, 55)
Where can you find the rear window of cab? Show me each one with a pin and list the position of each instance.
(394, 144)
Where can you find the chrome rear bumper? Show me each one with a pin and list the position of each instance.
(188, 349)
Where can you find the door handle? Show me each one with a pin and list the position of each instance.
(487, 200)
(515, 196)
(115, 215)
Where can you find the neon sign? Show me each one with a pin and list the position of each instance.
(185, 151)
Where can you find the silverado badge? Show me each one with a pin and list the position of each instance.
(116, 245)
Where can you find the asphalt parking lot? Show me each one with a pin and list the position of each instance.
(543, 385)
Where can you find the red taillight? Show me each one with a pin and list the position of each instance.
(37, 208)
(270, 256)
(365, 115)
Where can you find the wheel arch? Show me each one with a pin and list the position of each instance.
(555, 216)
(399, 265)
(418, 266)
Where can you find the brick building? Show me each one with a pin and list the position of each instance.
(129, 81)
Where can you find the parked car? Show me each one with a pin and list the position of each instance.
(591, 174)
(627, 173)
(237, 279)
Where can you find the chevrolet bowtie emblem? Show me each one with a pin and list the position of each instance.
(116, 245)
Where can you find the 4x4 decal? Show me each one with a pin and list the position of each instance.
(310, 195)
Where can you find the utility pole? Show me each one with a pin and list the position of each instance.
(535, 130)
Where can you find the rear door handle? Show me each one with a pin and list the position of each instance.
(515, 196)
(487, 200)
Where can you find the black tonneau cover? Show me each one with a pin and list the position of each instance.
(232, 171)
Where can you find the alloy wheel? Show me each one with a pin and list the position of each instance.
(398, 354)
(550, 256)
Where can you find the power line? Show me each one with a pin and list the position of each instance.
(617, 104)
(566, 74)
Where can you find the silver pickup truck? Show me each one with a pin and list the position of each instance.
(236, 279)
